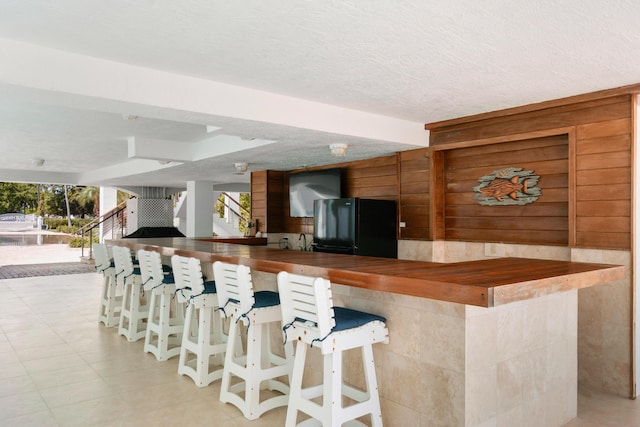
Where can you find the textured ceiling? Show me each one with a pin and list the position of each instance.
(415, 61)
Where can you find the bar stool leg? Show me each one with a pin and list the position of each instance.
(218, 336)
(372, 385)
(275, 361)
(164, 323)
(332, 390)
(200, 344)
(162, 329)
(110, 302)
(179, 309)
(186, 339)
(332, 399)
(124, 323)
(255, 357)
(257, 369)
(139, 313)
(295, 388)
(151, 321)
(230, 364)
(204, 336)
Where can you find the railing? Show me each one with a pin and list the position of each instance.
(112, 220)
(243, 215)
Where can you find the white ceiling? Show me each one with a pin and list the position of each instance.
(280, 79)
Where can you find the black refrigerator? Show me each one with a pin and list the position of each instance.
(355, 226)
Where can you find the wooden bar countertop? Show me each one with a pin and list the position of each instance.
(484, 283)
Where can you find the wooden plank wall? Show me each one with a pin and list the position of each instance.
(603, 184)
(594, 190)
(599, 164)
(259, 199)
(543, 222)
(266, 200)
(414, 194)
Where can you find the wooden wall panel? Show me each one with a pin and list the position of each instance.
(532, 210)
(275, 195)
(586, 180)
(267, 192)
(603, 195)
(414, 204)
(465, 219)
(601, 110)
(615, 208)
(599, 165)
(372, 179)
(532, 238)
(598, 176)
(259, 199)
(611, 160)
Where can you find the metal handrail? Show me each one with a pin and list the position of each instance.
(96, 223)
(242, 209)
(101, 218)
(247, 218)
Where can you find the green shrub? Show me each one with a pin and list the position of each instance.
(76, 242)
(66, 229)
(61, 224)
(54, 223)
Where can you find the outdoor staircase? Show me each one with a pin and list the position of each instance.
(225, 225)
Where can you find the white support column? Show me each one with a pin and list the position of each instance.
(108, 201)
(199, 209)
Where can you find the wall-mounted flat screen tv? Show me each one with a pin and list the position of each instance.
(305, 187)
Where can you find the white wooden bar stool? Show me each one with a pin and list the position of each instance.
(310, 318)
(134, 312)
(259, 367)
(164, 330)
(110, 299)
(203, 338)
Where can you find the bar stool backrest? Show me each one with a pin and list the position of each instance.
(123, 261)
(150, 268)
(187, 273)
(101, 253)
(233, 285)
(307, 302)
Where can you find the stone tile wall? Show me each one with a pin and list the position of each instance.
(605, 311)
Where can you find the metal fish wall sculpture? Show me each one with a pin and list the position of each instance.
(510, 186)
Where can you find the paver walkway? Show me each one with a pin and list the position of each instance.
(41, 260)
(52, 269)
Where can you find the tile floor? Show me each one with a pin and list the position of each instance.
(59, 367)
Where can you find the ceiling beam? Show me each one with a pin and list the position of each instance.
(34, 67)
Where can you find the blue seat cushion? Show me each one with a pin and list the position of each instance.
(168, 278)
(266, 299)
(209, 287)
(167, 269)
(136, 270)
(347, 318)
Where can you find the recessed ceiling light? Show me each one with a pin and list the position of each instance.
(338, 149)
(241, 168)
